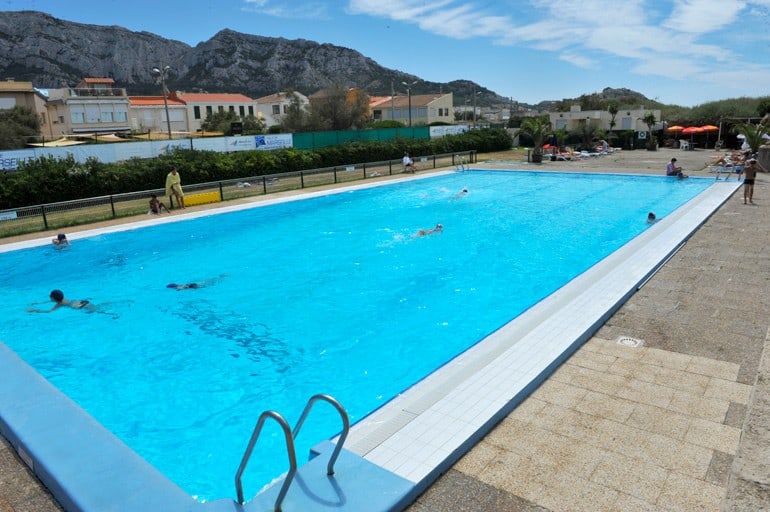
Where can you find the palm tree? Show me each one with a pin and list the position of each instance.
(753, 134)
(649, 120)
(537, 128)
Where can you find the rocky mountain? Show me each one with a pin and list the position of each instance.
(51, 52)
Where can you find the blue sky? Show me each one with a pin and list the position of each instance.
(684, 52)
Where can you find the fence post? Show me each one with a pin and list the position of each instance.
(112, 206)
(221, 191)
(301, 179)
(45, 219)
(334, 171)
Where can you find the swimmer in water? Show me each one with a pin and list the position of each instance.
(57, 296)
(60, 240)
(194, 286)
(425, 232)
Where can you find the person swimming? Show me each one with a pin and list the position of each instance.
(193, 286)
(425, 232)
(57, 296)
(187, 286)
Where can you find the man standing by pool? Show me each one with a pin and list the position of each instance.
(174, 187)
(751, 168)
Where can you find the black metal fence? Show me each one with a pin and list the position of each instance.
(43, 217)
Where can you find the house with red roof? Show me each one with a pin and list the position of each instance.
(149, 115)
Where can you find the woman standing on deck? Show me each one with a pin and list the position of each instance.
(174, 187)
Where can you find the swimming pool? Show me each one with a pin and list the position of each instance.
(362, 281)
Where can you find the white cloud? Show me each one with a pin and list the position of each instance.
(703, 16)
(285, 9)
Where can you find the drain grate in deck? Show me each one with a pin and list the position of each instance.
(628, 341)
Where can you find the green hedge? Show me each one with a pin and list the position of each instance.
(50, 180)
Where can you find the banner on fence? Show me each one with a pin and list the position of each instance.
(441, 131)
(275, 141)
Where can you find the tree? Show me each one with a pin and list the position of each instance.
(340, 108)
(222, 122)
(613, 110)
(753, 134)
(537, 128)
(649, 120)
(586, 131)
(17, 126)
(296, 118)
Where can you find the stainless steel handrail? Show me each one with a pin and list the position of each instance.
(290, 436)
(345, 426)
(289, 447)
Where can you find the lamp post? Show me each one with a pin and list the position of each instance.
(163, 72)
(475, 95)
(409, 95)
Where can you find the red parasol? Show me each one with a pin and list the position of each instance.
(692, 130)
(675, 128)
(709, 128)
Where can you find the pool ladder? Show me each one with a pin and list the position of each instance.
(461, 163)
(290, 436)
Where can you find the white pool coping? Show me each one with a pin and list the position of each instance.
(420, 433)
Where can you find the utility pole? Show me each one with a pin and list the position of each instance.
(163, 71)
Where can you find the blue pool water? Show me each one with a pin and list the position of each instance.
(327, 295)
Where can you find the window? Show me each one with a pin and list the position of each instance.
(92, 113)
(251, 110)
(231, 108)
(121, 116)
(422, 112)
(242, 111)
(285, 108)
(377, 115)
(276, 110)
(626, 123)
(196, 112)
(220, 108)
(78, 117)
(107, 117)
(209, 110)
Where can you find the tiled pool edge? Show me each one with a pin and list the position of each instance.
(33, 398)
(416, 444)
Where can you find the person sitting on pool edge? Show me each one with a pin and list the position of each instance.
(156, 207)
(674, 170)
(651, 218)
(424, 232)
(58, 297)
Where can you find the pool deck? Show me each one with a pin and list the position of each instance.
(680, 423)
